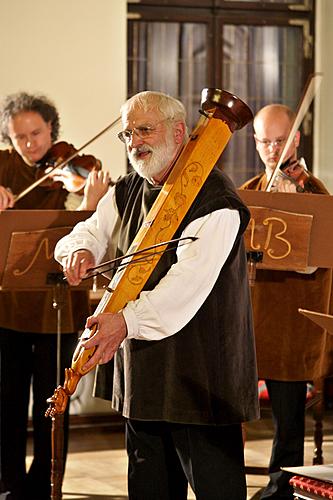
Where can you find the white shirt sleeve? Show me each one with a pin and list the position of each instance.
(97, 234)
(167, 308)
(73, 201)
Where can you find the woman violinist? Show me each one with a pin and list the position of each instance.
(30, 125)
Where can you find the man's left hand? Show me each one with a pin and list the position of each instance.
(110, 332)
(282, 185)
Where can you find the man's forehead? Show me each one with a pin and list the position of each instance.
(270, 124)
(140, 116)
(26, 121)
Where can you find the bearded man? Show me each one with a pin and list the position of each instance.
(185, 368)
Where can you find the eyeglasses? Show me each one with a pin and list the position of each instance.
(143, 132)
(266, 143)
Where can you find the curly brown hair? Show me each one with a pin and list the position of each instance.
(17, 103)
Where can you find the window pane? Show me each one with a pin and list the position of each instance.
(261, 65)
(171, 58)
(294, 2)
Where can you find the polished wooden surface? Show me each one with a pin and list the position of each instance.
(97, 463)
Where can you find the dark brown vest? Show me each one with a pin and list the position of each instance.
(205, 373)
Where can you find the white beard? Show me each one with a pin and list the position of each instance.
(157, 162)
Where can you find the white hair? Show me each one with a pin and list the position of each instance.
(169, 107)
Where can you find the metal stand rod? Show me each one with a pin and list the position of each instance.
(57, 432)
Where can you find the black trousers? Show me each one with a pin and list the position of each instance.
(288, 407)
(26, 359)
(165, 457)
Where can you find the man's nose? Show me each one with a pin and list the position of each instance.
(28, 143)
(135, 140)
(273, 147)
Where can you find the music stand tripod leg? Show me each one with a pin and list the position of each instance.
(57, 433)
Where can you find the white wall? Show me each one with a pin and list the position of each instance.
(323, 143)
(74, 51)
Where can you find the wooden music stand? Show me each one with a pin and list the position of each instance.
(28, 238)
(27, 263)
(306, 225)
(323, 320)
(292, 233)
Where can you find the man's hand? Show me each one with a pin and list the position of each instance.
(6, 198)
(110, 331)
(97, 184)
(283, 185)
(75, 266)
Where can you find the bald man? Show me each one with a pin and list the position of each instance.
(290, 350)
(272, 125)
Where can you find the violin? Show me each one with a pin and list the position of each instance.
(72, 175)
(296, 173)
(50, 170)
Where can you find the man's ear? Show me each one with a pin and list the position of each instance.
(255, 140)
(179, 132)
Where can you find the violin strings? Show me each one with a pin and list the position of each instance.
(145, 256)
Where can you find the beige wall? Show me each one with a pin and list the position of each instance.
(74, 51)
(323, 143)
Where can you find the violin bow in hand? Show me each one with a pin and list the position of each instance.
(141, 256)
(65, 162)
(310, 91)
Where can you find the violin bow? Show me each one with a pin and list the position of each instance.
(64, 162)
(310, 90)
(144, 255)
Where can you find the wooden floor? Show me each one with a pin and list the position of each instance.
(97, 462)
